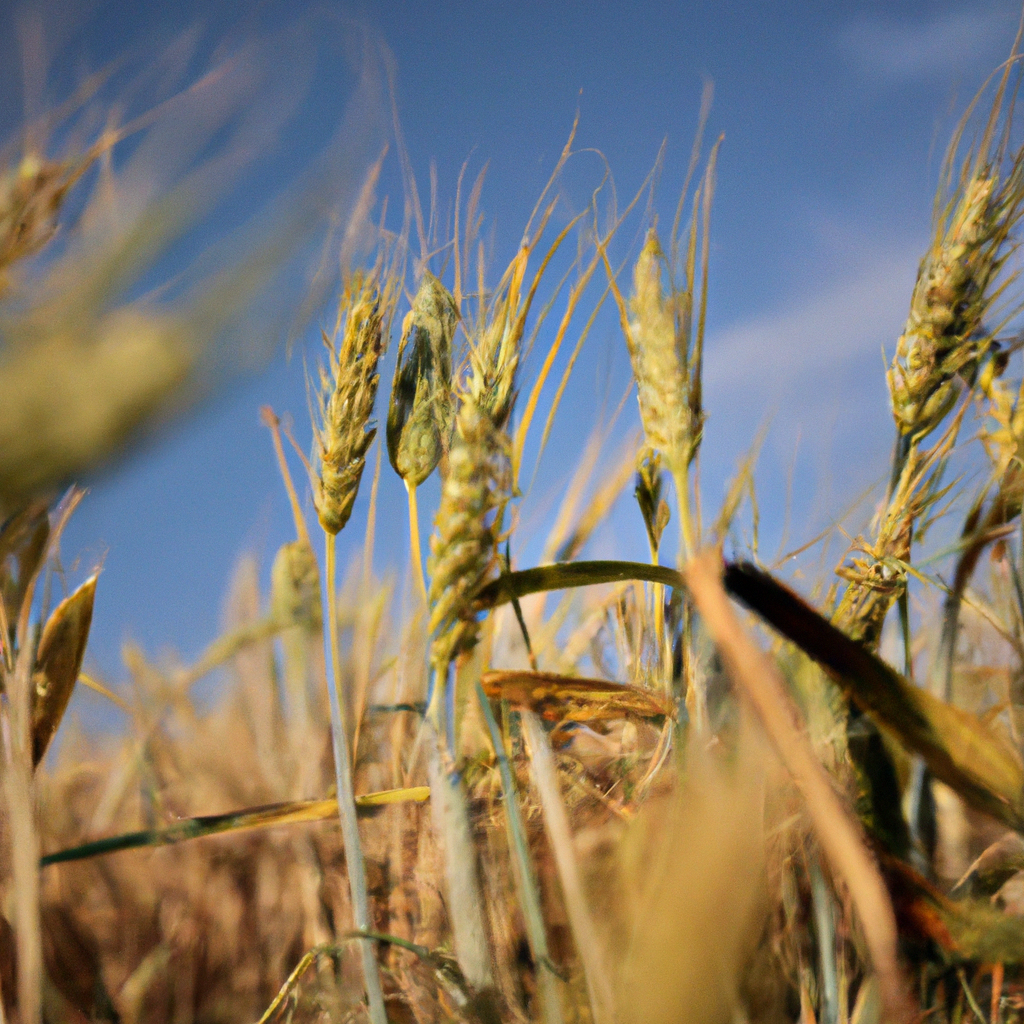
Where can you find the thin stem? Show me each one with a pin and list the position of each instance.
(414, 540)
(533, 914)
(686, 537)
(556, 822)
(696, 704)
(658, 598)
(346, 796)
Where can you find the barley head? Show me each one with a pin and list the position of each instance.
(494, 352)
(467, 529)
(348, 388)
(421, 412)
(876, 575)
(957, 283)
(658, 338)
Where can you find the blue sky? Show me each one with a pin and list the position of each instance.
(835, 119)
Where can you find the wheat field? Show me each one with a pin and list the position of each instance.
(693, 788)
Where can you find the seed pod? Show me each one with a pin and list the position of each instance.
(420, 415)
(348, 388)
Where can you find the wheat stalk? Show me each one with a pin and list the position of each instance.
(348, 392)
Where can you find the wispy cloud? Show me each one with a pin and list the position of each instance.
(814, 342)
(896, 50)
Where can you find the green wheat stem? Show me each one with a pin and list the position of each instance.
(687, 548)
(355, 865)
(687, 540)
(533, 913)
(414, 540)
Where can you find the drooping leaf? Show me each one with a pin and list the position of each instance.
(564, 575)
(58, 662)
(957, 747)
(559, 698)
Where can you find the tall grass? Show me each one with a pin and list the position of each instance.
(575, 791)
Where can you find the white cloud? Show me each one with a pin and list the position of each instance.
(814, 342)
(957, 42)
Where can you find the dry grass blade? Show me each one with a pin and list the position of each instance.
(270, 816)
(692, 868)
(958, 748)
(58, 663)
(559, 698)
(837, 830)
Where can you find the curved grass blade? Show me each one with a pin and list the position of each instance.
(558, 698)
(563, 575)
(58, 662)
(956, 746)
(270, 815)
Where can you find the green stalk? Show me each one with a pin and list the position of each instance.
(267, 816)
(533, 914)
(687, 541)
(414, 541)
(465, 904)
(696, 701)
(355, 865)
(556, 821)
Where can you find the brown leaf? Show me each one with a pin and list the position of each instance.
(58, 662)
(569, 698)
